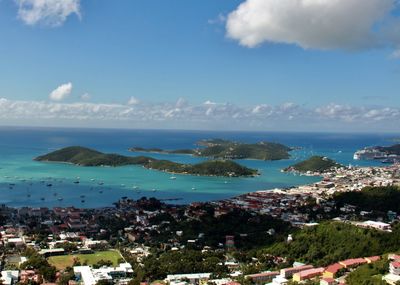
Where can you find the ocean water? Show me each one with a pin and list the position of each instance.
(23, 182)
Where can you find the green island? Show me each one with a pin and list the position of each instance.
(224, 149)
(88, 157)
(315, 164)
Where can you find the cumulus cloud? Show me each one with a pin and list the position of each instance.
(316, 24)
(47, 12)
(61, 92)
(287, 116)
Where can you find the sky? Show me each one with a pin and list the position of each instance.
(268, 65)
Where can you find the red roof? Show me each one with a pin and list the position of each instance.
(395, 264)
(264, 274)
(329, 280)
(353, 261)
(311, 272)
(373, 258)
(334, 268)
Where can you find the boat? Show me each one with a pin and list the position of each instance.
(135, 187)
(154, 190)
(193, 188)
(76, 181)
(172, 178)
(60, 199)
(82, 201)
(42, 198)
(49, 185)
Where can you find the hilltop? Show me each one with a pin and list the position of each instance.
(88, 157)
(224, 149)
(315, 164)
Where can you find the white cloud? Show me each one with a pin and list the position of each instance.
(47, 12)
(288, 116)
(316, 24)
(61, 92)
(133, 101)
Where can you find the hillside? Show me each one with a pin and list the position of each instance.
(380, 199)
(87, 157)
(315, 164)
(223, 149)
(332, 241)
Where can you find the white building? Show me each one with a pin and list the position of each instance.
(9, 277)
(195, 278)
(90, 276)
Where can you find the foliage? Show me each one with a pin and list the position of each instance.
(88, 157)
(333, 241)
(39, 263)
(369, 274)
(380, 199)
(314, 164)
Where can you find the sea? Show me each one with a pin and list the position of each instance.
(25, 182)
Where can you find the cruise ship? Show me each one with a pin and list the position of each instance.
(369, 154)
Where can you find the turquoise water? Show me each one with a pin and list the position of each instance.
(29, 179)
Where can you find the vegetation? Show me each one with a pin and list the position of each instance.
(318, 164)
(332, 241)
(87, 157)
(111, 257)
(369, 274)
(380, 199)
(249, 230)
(38, 262)
(223, 149)
(157, 266)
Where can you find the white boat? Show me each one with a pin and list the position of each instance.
(172, 178)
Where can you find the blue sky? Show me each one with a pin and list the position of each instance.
(172, 56)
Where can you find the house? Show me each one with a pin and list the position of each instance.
(288, 272)
(308, 274)
(9, 277)
(332, 270)
(372, 259)
(90, 276)
(195, 278)
(353, 262)
(394, 268)
(262, 278)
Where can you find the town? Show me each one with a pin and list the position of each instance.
(200, 243)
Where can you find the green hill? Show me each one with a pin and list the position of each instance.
(331, 242)
(223, 149)
(317, 164)
(87, 157)
(380, 199)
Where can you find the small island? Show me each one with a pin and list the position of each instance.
(82, 156)
(315, 165)
(224, 149)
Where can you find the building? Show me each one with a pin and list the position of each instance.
(89, 276)
(9, 277)
(308, 274)
(262, 278)
(349, 263)
(195, 278)
(332, 270)
(288, 272)
(372, 259)
(376, 225)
